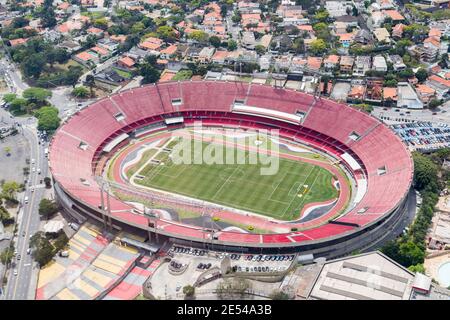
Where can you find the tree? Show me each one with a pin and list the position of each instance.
(33, 65)
(137, 27)
(318, 46)
(38, 95)
(434, 103)
(48, 119)
(43, 250)
(421, 75)
(90, 82)
(425, 173)
(47, 208)
(417, 268)
(321, 15)
(279, 295)
(299, 45)
(61, 241)
(189, 291)
(9, 189)
(148, 71)
(9, 97)
(260, 49)
(18, 106)
(7, 255)
(236, 18)
(72, 75)
(101, 23)
(223, 10)
(80, 92)
(230, 288)
(215, 41)
(199, 36)
(232, 45)
(166, 33)
(48, 182)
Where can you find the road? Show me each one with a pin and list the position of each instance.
(442, 114)
(22, 286)
(29, 222)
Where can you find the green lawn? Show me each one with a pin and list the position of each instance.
(242, 186)
(122, 73)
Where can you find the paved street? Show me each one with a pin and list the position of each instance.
(442, 114)
(28, 220)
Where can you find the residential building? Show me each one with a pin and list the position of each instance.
(379, 64)
(407, 97)
(331, 62)
(362, 65)
(397, 62)
(382, 35)
(346, 64)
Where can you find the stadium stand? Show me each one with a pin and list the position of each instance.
(337, 129)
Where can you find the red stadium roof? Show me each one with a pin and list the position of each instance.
(75, 147)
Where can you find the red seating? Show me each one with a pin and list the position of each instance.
(327, 125)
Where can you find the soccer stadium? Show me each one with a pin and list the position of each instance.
(340, 181)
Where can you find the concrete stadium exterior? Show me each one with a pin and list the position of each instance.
(371, 153)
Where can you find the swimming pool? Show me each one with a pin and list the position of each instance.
(444, 274)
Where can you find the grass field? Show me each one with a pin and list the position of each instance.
(241, 186)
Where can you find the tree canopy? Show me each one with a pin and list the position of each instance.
(47, 208)
(48, 118)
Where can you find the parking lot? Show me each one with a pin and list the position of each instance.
(424, 135)
(239, 262)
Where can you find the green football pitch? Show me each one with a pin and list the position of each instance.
(241, 186)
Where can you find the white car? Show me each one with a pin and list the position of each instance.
(15, 272)
(32, 189)
(33, 169)
(32, 161)
(39, 171)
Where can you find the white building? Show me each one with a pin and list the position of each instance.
(407, 97)
(379, 64)
(338, 8)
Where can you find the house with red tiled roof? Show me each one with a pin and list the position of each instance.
(425, 93)
(95, 31)
(86, 58)
(126, 62)
(390, 94)
(346, 39)
(118, 38)
(357, 92)
(435, 32)
(314, 63)
(441, 85)
(394, 15)
(219, 56)
(17, 42)
(150, 46)
(168, 52)
(63, 6)
(331, 62)
(102, 52)
(397, 31)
